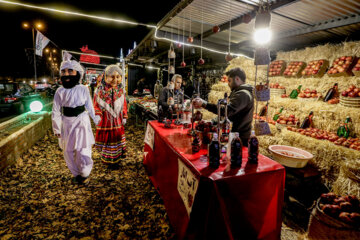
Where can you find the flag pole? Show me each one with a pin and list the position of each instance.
(34, 53)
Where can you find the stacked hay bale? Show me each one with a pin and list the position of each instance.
(329, 158)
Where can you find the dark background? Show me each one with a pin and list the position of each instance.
(72, 32)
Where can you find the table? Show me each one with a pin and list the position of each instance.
(203, 203)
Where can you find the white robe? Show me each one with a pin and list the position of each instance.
(76, 134)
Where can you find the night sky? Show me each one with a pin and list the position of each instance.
(72, 32)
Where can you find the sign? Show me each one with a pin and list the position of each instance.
(149, 136)
(88, 58)
(187, 186)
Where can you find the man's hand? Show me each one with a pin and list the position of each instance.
(57, 135)
(198, 103)
(124, 121)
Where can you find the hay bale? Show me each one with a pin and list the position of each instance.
(348, 182)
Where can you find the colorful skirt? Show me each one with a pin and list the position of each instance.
(111, 144)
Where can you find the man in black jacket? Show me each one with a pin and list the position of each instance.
(241, 104)
(171, 91)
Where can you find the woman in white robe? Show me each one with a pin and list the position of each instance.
(70, 121)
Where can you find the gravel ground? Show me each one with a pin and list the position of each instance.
(39, 201)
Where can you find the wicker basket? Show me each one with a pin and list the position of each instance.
(322, 226)
(262, 95)
(350, 102)
(262, 128)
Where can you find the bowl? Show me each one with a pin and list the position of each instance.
(290, 156)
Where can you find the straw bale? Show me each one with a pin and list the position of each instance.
(328, 156)
(222, 87)
(345, 185)
(207, 115)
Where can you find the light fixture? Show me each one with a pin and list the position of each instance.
(24, 82)
(36, 106)
(25, 25)
(44, 80)
(262, 36)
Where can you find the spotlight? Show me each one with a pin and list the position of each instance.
(262, 36)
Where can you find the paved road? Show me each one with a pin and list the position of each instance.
(6, 116)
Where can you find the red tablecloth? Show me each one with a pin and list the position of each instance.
(203, 203)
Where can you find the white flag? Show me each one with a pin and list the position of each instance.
(41, 42)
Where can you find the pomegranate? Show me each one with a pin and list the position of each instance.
(228, 57)
(201, 61)
(352, 94)
(183, 64)
(216, 29)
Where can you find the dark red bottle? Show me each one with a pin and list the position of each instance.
(253, 148)
(214, 152)
(236, 151)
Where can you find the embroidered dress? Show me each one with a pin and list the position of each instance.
(110, 104)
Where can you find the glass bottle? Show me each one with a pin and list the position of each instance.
(277, 115)
(332, 92)
(263, 110)
(345, 129)
(160, 114)
(214, 152)
(294, 93)
(236, 151)
(307, 121)
(253, 148)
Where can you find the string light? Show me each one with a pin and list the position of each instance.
(77, 14)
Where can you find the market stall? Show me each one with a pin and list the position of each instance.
(312, 107)
(142, 108)
(204, 203)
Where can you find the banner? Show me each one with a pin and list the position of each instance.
(41, 42)
(187, 185)
(149, 136)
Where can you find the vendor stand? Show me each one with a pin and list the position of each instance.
(204, 203)
(144, 108)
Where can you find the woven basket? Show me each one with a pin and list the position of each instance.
(262, 95)
(322, 226)
(262, 128)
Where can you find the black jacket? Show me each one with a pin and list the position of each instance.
(240, 109)
(164, 97)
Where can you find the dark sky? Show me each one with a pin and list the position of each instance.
(71, 32)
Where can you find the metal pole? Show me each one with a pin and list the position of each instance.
(33, 37)
(52, 66)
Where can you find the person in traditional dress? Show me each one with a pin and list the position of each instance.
(72, 106)
(110, 104)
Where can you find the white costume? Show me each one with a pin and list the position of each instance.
(76, 136)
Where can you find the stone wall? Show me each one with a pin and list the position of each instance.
(19, 142)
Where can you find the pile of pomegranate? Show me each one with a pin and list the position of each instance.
(293, 69)
(353, 143)
(276, 85)
(343, 208)
(307, 93)
(290, 120)
(352, 91)
(313, 68)
(340, 65)
(276, 68)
